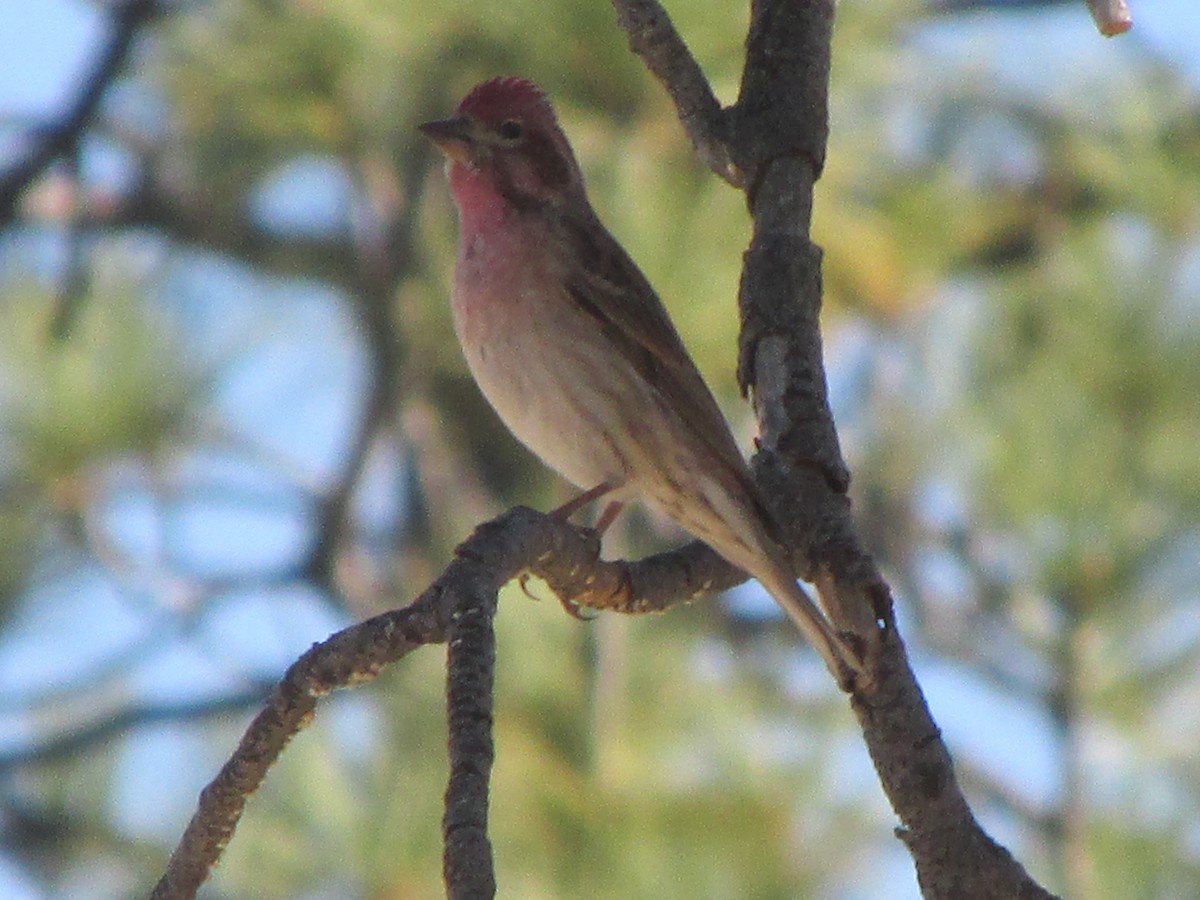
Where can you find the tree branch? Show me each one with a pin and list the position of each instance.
(777, 136)
(1112, 17)
(467, 867)
(111, 724)
(772, 142)
(458, 607)
(653, 37)
(60, 139)
(350, 657)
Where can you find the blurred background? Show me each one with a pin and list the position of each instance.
(233, 419)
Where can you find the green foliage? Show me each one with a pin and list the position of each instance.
(356, 820)
(1136, 860)
(1087, 400)
(118, 385)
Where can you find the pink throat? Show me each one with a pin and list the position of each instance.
(480, 206)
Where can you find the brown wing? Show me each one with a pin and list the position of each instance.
(611, 289)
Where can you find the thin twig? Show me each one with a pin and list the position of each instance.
(349, 657)
(107, 725)
(60, 139)
(653, 37)
(76, 279)
(1112, 17)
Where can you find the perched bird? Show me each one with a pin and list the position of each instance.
(574, 350)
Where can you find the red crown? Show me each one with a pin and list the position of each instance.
(500, 98)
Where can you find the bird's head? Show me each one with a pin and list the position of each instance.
(505, 132)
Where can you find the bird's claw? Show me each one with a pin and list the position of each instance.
(523, 584)
(573, 609)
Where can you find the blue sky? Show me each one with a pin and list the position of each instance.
(42, 47)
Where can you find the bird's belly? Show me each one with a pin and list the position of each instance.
(541, 365)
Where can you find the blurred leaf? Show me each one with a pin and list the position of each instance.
(118, 385)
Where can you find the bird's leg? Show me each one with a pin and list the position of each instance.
(611, 510)
(568, 509)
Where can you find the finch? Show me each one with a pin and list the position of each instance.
(574, 350)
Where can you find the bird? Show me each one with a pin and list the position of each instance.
(572, 347)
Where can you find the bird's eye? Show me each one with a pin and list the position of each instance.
(510, 130)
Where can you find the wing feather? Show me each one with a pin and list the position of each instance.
(609, 287)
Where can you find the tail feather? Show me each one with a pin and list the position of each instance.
(842, 662)
(726, 515)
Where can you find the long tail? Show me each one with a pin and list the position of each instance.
(843, 663)
(724, 513)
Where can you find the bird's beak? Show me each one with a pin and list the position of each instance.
(452, 136)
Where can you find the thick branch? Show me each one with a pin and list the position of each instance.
(777, 139)
(648, 585)
(457, 607)
(467, 867)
